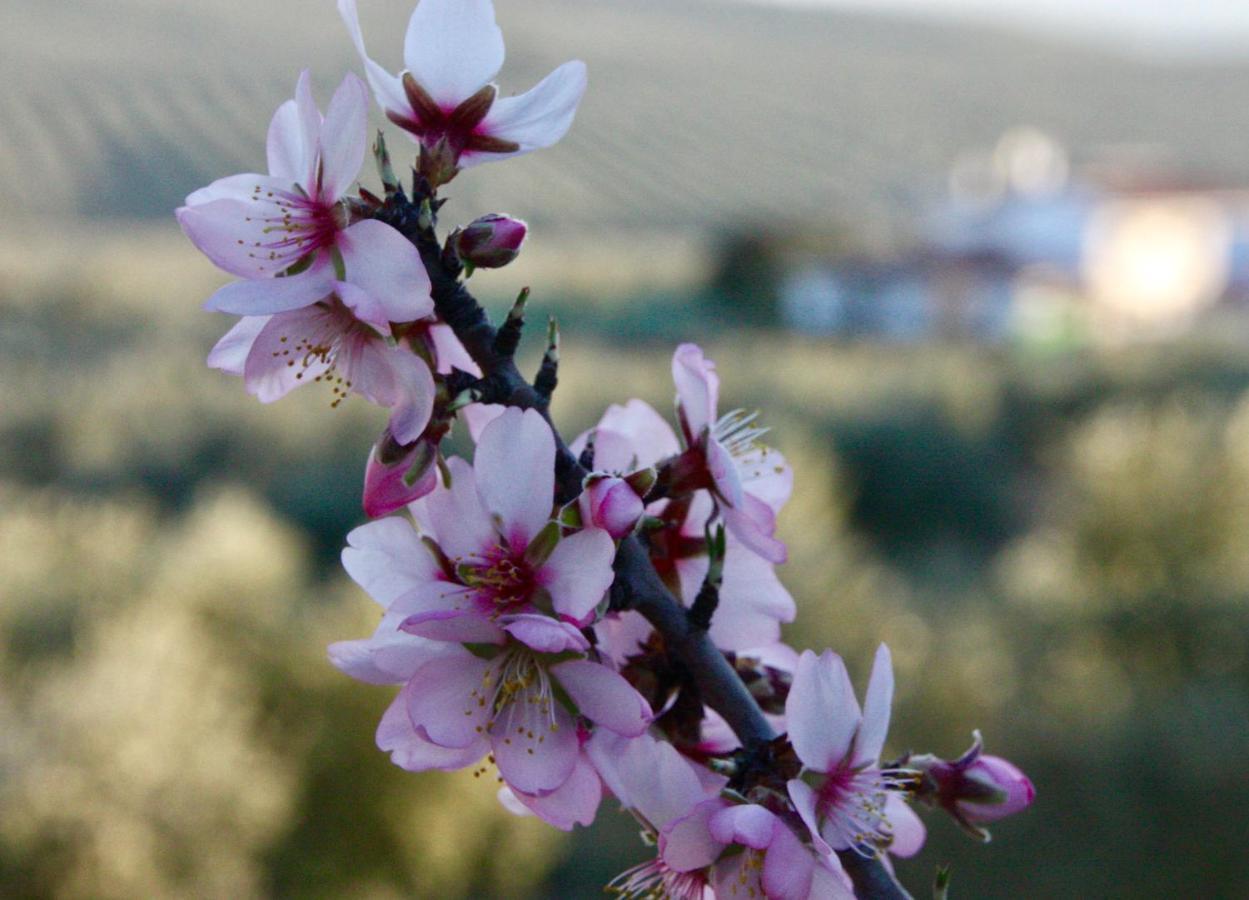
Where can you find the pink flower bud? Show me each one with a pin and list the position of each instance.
(395, 475)
(1007, 790)
(611, 504)
(489, 242)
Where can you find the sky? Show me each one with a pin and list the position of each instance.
(1186, 27)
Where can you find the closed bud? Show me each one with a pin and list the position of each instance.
(975, 788)
(396, 475)
(611, 503)
(489, 242)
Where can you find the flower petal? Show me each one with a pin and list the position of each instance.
(384, 264)
(537, 118)
(455, 513)
(804, 799)
(343, 138)
(230, 353)
(787, 868)
(288, 157)
(455, 626)
(909, 832)
(604, 697)
(698, 389)
(266, 296)
(686, 842)
(535, 743)
(578, 572)
(746, 527)
(453, 48)
(544, 634)
(237, 235)
(572, 803)
(747, 824)
(387, 88)
(280, 360)
(410, 414)
(387, 559)
(876, 707)
(652, 437)
(451, 704)
(821, 710)
(409, 750)
(515, 467)
(310, 127)
(236, 187)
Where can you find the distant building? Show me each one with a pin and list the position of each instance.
(1023, 250)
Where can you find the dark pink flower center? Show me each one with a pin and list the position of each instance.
(503, 581)
(294, 226)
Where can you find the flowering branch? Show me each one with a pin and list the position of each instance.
(600, 616)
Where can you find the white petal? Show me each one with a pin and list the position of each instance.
(230, 353)
(821, 710)
(453, 48)
(343, 138)
(537, 118)
(387, 88)
(876, 707)
(288, 157)
(515, 468)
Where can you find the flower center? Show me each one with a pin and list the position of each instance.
(502, 580)
(851, 802)
(653, 880)
(294, 227)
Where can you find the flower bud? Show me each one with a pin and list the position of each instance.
(975, 788)
(611, 503)
(489, 242)
(1006, 790)
(396, 475)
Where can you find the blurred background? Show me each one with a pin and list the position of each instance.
(984, 266)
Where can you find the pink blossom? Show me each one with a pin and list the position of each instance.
(502, 556)
(750, 480)
(774, 862)
(847, 800)
(325, 343)
(753, 602)
(288, 235)
(446, 96)
(457, 706)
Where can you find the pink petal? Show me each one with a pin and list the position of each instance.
(537, 118)
(387, 657)
(821, 710)
(767, 477)
(385, 489)
(604, 697)
(288, 157)
(410, 413)
(515, 467)
(230, 353)
(235, 234)
(449, 352)
(723, 473)
(534, 754)
(746, 528)
(572, 803)
(804, 799)
(455, 626)
(451, 703)
(267, 296)
(370, 367)
(829, 881)
(578, 572)
(455, 513)
(544, 634)
(621, 635)
(409, 750)
(787, 868)
(236, 187)
(277, 363)
(478, 416)
(310, 127)
(686, 842)
(876, 707)
(387, 88)
(385, 265)
(650, 436)
(753, 602)
(343, 138)
(453, 47)
(909, 832)
(698, 388)
(387, 559)
(648, 775)
(747, 824)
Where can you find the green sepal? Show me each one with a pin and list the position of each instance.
(642, 480)
(424, 458)
(570, 515)
(543, 544)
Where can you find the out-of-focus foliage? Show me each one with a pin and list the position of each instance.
(1053, 547)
